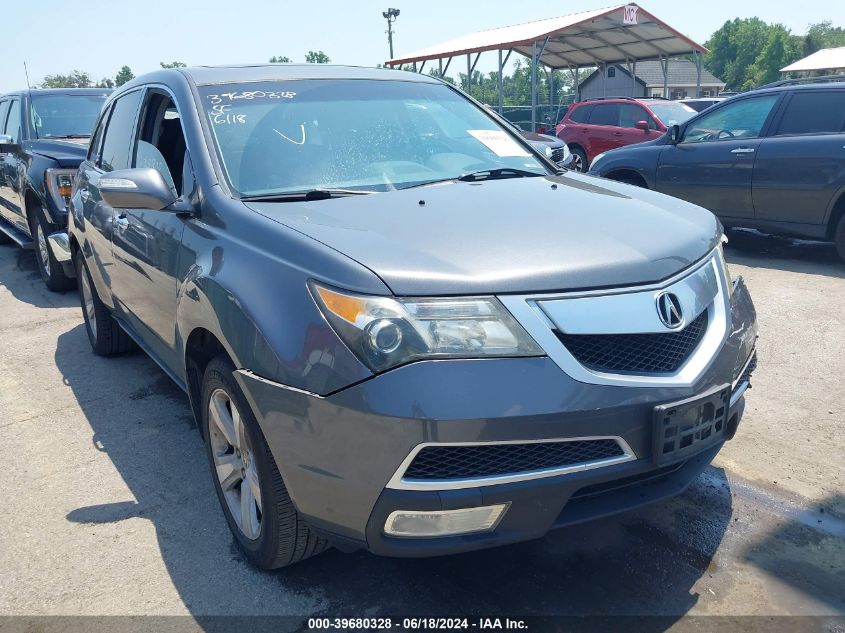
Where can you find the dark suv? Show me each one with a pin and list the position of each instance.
(598, 125)
(43, 138)
(772, 159)
(379, 352)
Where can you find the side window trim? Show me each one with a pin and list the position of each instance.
(95, 152)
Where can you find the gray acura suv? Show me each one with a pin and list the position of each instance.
(400, 327)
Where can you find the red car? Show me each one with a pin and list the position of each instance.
(595, 126)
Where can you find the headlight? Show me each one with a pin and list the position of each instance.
(60, 186)
(724, 264)
(385, 332)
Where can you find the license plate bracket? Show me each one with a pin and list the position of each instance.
(683, 428)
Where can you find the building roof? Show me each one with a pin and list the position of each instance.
(574, 41)
(825, 59)
(681, 73)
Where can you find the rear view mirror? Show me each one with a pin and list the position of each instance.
(141, 188)
(675, 133)
(641, 125)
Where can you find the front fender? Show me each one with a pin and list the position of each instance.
(643, 161)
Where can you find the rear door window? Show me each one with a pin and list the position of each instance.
(605, 114)
(582, 114)
(813, 112)
(120, 132)
(4, 110)
(94, 149)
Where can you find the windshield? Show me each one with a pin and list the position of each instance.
(672, 113)
(60, 115)
(376, 135)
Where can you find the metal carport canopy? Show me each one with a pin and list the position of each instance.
(589, 38)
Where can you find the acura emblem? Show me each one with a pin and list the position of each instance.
(669, 310)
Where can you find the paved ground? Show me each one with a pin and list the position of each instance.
(107, 507)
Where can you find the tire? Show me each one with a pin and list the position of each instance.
(839, 237)
(107, 338)
(52, 272)
(270, 531)
(579, 162)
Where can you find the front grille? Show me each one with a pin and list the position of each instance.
(659, 353)
(490, 460)
(557, 154)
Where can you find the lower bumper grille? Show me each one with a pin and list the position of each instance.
(660, 353)
(491, 460)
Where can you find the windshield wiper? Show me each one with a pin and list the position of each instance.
(307, 196)
(497, 173)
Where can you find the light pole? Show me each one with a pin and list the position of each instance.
(390, 15)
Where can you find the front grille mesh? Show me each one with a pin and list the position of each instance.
(557, 154)
(636, 353)
(489, 460)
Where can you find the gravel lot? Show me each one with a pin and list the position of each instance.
(107, 506)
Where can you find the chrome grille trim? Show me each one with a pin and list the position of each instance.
(399, 482)
(527, 309)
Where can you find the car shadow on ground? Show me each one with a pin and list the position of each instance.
(762, 250)
(643, 562)
(25, 282)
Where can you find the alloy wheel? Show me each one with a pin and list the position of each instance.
(43, 249)
(234, 463)
(88, 303)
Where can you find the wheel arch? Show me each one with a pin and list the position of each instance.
(629, 176)
(837, 211)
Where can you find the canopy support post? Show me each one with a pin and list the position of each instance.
(535, 59)
(664, 66)
(422, 67)
(698, 62)
(446, 70)
(469, 75)
(440, 66)
(500, 84)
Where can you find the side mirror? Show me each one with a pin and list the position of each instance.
(675, 134)
(6, 143)
(140, 188)
(641, 125)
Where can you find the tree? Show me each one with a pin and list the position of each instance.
(280, 59)
(749, 52)
(317, 57)
(123, 75)
(173, 64)
(105, 82)
(76, 79)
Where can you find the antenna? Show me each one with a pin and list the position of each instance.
(26, 72)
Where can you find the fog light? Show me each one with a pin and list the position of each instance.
(421, 523)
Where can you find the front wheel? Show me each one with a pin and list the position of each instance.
(249, 486)
(52, 271)
(579, 159)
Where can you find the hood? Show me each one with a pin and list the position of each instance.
(66, 152)
(534, 137)
(509, 236)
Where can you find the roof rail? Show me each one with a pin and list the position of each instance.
(801, 80)
(606, 98)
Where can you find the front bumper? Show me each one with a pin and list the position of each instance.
(339, 453)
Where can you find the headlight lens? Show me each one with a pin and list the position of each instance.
(60, 186)
(385, 332)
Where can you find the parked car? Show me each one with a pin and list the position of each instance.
(595, 126)
(43, 138)
(552, 147)
(700, 104)
(396, 325)
(772, 159)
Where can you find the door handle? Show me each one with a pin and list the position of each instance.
(743, 150)
(121, 222)
(617, 134)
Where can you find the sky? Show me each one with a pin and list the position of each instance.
(57, 37)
